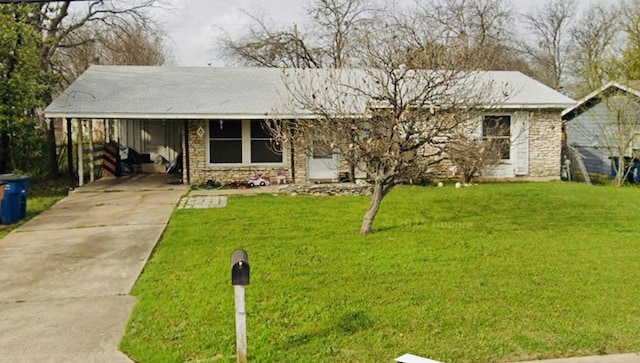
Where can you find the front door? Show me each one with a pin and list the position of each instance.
(323, 164)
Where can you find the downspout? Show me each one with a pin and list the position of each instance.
(187, 163)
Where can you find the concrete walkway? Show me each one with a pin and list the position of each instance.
(66, 274)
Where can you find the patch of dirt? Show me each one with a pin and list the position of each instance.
(57, 186)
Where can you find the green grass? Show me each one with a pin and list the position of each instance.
(491, 273)
(40, 197)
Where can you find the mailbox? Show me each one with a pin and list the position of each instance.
(240, 268)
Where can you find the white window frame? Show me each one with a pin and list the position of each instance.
(246, 148)
(511, 120)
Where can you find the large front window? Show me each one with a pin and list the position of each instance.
(242, 143)
(263, 148)
(497, 129)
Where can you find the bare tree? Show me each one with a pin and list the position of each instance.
(621, 131)
(469, 24)
(265, 45)
(484, 28)
(64, 24)
(388, 115)
(596, 40)
(337, 24)
(120, 43)
(631, 25)
(550, 27)
(326, 40)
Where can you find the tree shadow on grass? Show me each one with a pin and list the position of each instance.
(350, 322)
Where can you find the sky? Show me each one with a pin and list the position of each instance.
(193, 25)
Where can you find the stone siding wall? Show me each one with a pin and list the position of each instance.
(201, 171)
(545, 144)
(196, 152)
(301, 166)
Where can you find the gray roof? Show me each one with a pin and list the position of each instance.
(631, 87)
(152, 92)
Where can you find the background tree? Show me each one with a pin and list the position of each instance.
(631, 26)
(330, 36)
(595, 48)
(65, 28)
(483, 27)
(21, 85)
(127, 43)
(326, 39)
(265, 45)
(550, 28)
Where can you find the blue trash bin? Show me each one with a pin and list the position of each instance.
(11, 204)
(23, 184)
(3, 185)
(14, 203)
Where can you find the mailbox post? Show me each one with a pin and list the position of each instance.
(239, 279)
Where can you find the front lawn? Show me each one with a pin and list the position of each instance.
(490, 273)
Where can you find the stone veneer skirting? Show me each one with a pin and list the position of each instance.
(326, 189)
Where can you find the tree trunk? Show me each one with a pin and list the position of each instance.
(619, 170)
(5, 153)
(352, 171)
(376, 199)
(52, 151)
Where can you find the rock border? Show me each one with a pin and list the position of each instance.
(345, 189)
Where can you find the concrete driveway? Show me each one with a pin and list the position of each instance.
(66, 274)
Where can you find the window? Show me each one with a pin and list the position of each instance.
(498, 130)
(242, 142)
(263, 148)
(225, 142)
(321, 150)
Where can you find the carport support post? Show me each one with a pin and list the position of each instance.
(187, 158)
(107, 131)
(80, 155)
(69, 151)
(92, 175)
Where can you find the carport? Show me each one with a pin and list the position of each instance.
(157, 139)
(149, 116)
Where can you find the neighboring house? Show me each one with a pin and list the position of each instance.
(605, 124)
(218, 114)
